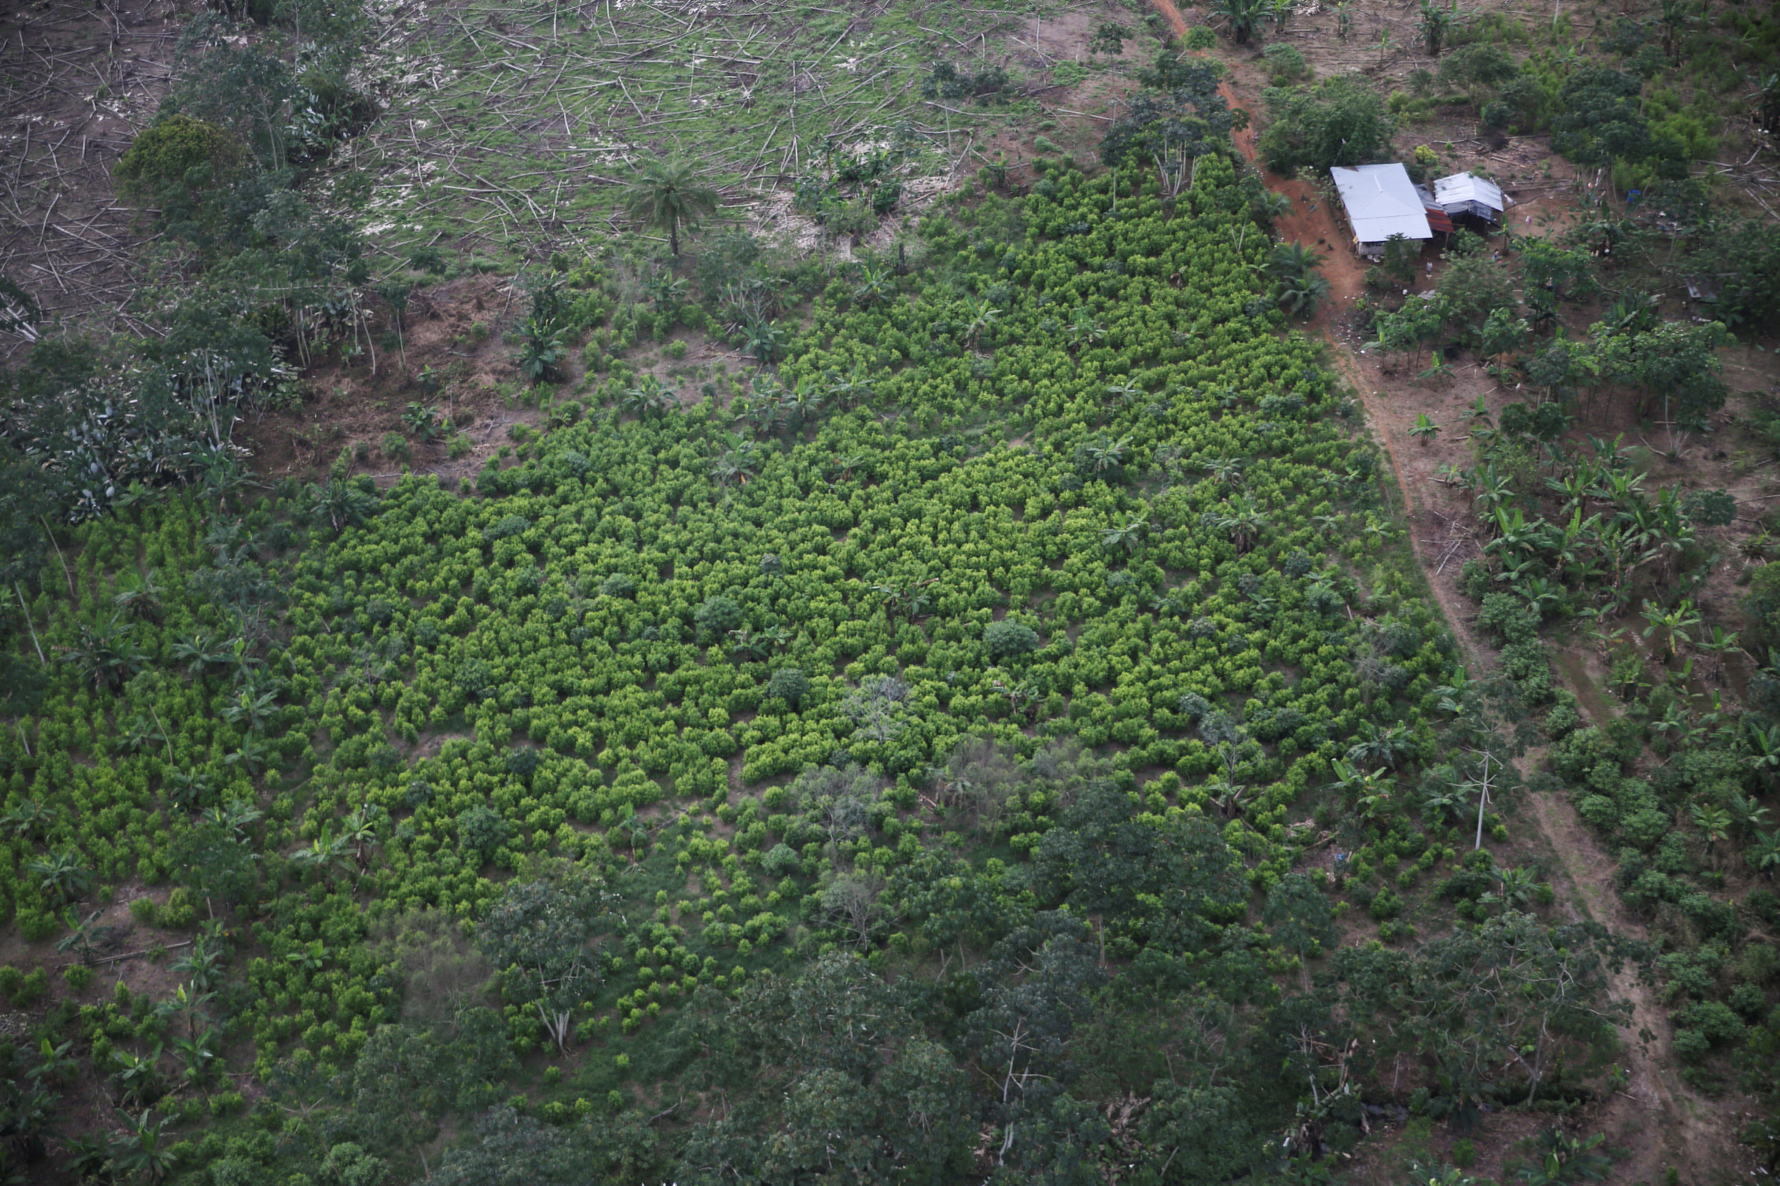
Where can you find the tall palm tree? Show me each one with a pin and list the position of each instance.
(667, 193)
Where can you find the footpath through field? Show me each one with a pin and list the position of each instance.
(1659, 1118)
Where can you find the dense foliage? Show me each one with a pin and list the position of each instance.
(925, 755)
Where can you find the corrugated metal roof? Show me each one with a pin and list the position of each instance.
(1381, 201)
(1465, 187)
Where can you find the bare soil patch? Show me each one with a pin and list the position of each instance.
(77, 82)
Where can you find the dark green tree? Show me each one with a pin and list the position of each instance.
(1512, 985)
(1300, 917)
(1178, 117)
(1600, 120)
(398, 1087)
(539, 938)
(834, 1081)
(1340, 121)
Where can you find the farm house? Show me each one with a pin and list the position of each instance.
(1381, 201)
(1468, 194)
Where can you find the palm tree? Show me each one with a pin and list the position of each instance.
(1301, 294)
(1293, 259)
(341, 504)
(667, 193)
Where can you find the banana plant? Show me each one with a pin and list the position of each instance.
(1388, 746)
(199, 1056)
(143, 1149)
(1516, 889)
(1719, 642)
(140, 597)
(1763, 855)
(105, 654)
(1714, 822)
(201, 964)
(1369, 792)
(1244, 520)
(1674, 622)
(61, 876)
(138, 1075)
(1764, 748)
(1127, 536)
(980, 316)
(30, 820)
(57, 1064)
(1747, 816)
(254, 712)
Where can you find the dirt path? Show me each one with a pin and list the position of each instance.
(1657, 1117)
(1311, 221)
(1661, 1121)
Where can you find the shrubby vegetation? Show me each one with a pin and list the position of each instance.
(988, 671)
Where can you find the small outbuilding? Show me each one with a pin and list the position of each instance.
(1381, 202)
(1467, 193)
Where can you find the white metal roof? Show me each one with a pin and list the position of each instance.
(1381, 201)
(1464, 187)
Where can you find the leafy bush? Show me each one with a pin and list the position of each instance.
(175, 158)
(1008, 640)
(779, 861)
(717, 615)
(1285, 63)
(789, 684)
(1341, 121)
(481, 830)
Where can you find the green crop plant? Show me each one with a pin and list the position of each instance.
(1009, 625)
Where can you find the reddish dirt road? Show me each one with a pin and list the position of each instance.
(1656, 1118)
(1309, 221)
